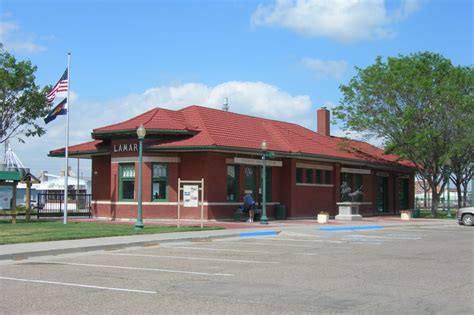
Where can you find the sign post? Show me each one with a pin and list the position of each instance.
(191, 189)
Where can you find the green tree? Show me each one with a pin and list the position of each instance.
(22, 102)
(462, 169)
(462, 154)
(413, 102)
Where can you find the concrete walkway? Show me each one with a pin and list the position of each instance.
(232, 229)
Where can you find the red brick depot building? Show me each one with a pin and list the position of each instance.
(223, 148)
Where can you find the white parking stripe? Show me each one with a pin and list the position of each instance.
(308, 254)
(363, 240)
(429, 229)
(144, 269)
(77, 285)
(386, 237)
(270, 244)
(196, 258)
(301, 240)
(220, 249)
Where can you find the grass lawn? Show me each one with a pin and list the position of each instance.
(26, 232)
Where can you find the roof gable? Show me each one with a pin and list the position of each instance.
(156, 120)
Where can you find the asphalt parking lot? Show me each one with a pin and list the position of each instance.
(404, 269)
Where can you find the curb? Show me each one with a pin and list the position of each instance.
(25, 255)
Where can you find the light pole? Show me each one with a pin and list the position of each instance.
(263, 218)
(141, 132)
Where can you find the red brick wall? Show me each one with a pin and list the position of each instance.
(216, 186)
(101, 210)
(299, 200)
(101, 178)
(309, 200)
(193, 166)
(287, 182)
(370, 185)
(146, 181)
(114, 193)
(276, 187)
(324, 124)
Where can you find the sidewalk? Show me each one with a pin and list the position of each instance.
(232, 229)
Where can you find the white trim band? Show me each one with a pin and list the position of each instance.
(247, 161)
(146, 159)
(314, 185)
(315, 166)
(170, 203)
(355, 170)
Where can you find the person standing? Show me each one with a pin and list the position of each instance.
(248, 206)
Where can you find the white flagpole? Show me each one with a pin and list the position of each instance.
(66, 173)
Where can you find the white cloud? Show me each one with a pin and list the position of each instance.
(326, 68)
(360, 136)
(15, 40)
(342, 20)
(253, 98)
(407, 7)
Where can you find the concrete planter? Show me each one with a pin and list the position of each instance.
(323, 218)
(405, 215)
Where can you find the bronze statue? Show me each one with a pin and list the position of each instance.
(346, 192)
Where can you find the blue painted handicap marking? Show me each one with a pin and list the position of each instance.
(351, 228)
(263, 233)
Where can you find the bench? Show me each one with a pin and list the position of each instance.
(240, 216)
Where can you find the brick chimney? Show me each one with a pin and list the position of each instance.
(323, 123)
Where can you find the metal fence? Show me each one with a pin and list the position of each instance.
(52, 205)
(442, 205)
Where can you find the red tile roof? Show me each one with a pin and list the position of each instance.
(78, 149)
(155, 119)
(212, 127)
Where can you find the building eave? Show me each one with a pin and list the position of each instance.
(81, 154)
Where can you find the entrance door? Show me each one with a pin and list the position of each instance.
(382, 194)
(403, 193)
(250, 179)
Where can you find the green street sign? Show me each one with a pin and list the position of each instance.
(269, 155)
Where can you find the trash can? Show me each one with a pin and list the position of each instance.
(280, 212)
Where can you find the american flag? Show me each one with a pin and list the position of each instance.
(61, 86)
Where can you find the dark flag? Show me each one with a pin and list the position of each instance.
(60, 109)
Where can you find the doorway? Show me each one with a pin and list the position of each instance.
(250, 180)
(382, 194)
(403, 193)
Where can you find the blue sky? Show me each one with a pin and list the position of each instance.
(274, 59)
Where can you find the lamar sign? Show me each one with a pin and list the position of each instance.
(127, 147)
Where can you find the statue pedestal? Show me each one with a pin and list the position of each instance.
(349, 211)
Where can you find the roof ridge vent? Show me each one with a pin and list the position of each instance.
(225, 106)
